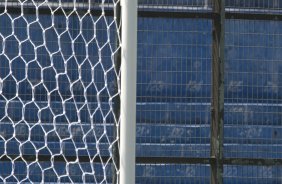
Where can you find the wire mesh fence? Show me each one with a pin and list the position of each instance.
(172, 173)
(252, 173)
(173, 87)
(253, 89)
(175, 44)
(176, 52)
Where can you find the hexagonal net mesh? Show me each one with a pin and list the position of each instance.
(59, 90)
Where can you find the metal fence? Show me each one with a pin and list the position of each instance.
(209, 94)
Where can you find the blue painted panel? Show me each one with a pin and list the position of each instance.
(169, 64)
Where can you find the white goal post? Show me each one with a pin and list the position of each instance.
(128, 91)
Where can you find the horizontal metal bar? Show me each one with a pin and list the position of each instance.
(232, 104)
(210, 15)
(160, 13)
(148, 160)
(155, 7)
(226, 161)
(173, 160)
(253, 16)
(252, 161)
(176, 14)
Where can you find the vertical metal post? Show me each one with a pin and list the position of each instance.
(116, 100)
(217, 105)
(128, 91)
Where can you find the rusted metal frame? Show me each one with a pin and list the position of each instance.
(217, 102)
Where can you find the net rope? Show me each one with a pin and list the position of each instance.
(58, 84)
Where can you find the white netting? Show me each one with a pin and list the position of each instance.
(59, 90)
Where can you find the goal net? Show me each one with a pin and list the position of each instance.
(59, 91)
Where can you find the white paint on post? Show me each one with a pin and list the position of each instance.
(206, 4)
(128, 91)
